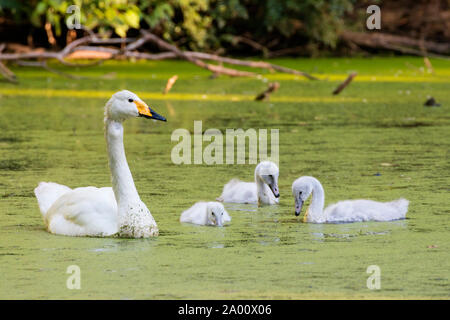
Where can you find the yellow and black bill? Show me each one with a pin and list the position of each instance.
(146, 112)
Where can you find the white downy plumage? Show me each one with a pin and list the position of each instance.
(206, 213)
(343, 211)
(263, 191)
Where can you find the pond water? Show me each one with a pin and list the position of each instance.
(375, 140)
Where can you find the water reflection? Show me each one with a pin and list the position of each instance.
(324, 232)
(244, 208)
(119, 244)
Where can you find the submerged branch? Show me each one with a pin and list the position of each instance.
(344, 84)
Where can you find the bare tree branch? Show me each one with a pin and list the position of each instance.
(171, 52)
(201, 56)
(7, 74)
(213, 68)
(397, 43)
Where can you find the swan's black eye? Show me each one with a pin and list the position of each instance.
(300, 193)
(130, 100)
(213, 213)
(222, 213)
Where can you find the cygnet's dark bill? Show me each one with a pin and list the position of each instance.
(298, 207)
(274, 190)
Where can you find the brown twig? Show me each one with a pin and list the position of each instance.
(428, 64)
(48, 29)
(344, 84)
(170, 83)
(265, 95)
(7, 74)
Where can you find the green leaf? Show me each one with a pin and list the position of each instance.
(132, 18)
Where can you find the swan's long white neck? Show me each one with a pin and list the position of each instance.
(262, 190)
(133, 217)
(122, 180)
(315, 210)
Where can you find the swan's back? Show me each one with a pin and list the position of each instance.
(196, 214)
(366, 210)
(237, 191)
(47, 193)
(87, 211)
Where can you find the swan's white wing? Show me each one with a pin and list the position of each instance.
(47, 193)
(365, 210)
(195, 214)
(85, 211)
(237, 191)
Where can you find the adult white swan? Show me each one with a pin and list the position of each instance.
(101, 212)
(206, 213)
(343, 211)
(263, 191)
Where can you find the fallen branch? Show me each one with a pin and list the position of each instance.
(200, 56)
(6, 73)
(253, 44)
(397, 43)
(252, 64)
(206, 56)
(213, 68)
(286, 51)
(129, 51)
(344, 84)
(61, 55)
(43, 64)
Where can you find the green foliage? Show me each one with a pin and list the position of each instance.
(198, 24)
(119, 15)
(179, 18)
(316, 20)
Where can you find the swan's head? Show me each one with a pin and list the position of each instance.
(268, 172)
(301, 190)
(125, 104)
(215, 212)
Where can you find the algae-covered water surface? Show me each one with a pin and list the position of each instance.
(376, 140)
